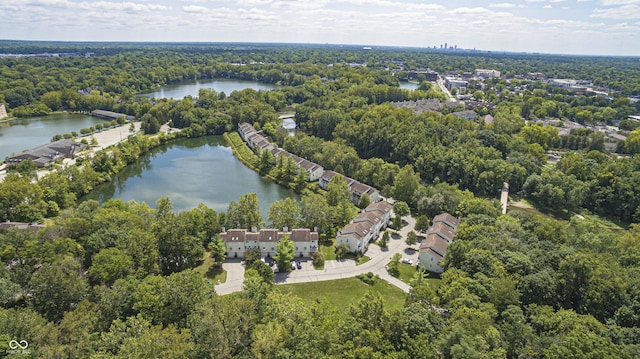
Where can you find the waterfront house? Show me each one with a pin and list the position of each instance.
(45, 154)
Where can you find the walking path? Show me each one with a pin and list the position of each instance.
(334, 269)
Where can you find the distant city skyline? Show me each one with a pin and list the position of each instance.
(580, 27)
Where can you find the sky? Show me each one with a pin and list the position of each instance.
(589, 27)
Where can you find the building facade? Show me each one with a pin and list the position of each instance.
(239, 241)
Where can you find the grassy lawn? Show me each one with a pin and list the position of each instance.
(328, 251)
(208, 270)
(407, 271)
(342, 291)
(362, 260)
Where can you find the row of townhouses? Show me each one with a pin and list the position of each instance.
(366, 227)
(433, 249)
(239, 241)
(315, 172)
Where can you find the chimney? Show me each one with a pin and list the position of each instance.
(315, 229)
(285, 229)
(254, 229)
(223, 230)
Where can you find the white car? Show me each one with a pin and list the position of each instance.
(407, 261)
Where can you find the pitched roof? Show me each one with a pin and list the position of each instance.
(233, 235)
(383, 207)
(443, 230)
(371, 217)
(434, 244)
(268, 235)
(358, 230)
(302, 235)
(447, 219)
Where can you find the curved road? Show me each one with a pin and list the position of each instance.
(337, 269)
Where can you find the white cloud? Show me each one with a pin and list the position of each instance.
(622, 12)
(503, 5)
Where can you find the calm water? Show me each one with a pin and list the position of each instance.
(409, 85)
(23, 134)
(191, 171)
(184, 89)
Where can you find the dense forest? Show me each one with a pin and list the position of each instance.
(121, 279)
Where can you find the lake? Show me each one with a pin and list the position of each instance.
(183, 89)
(191, 171)
(409, 85)
(26, 133)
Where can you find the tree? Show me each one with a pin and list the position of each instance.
(284, 213)
(394, 265)
(364, 201)
(422, 223)
(217, 250)
(57, 287)
(318, 259)
(341, 250)
(313, 213)
(401, 208)
(245, 213)
(397, 222)
(110, 264)
(405, 184)
(412, 238)
(221, 326)
(300, 181)
(285, 252)
(266, 162)
(384, 241)
(337, 191)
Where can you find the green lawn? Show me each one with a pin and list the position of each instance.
(208, 270)
(363, 260)
(342, 292)
(328, 250)
(407, 271)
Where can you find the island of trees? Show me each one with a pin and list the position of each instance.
(557, 276)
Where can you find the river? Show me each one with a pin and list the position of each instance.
(191, 171)
(183, 89)
(26, 133)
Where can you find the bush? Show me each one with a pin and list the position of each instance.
(368, 278)
(318, 259)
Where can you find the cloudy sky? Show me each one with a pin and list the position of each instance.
(601, 27)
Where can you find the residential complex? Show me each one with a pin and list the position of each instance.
(433, 249)
(314, 171)
(239, 241)
(366, 227)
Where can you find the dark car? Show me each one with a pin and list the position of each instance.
(299, 265)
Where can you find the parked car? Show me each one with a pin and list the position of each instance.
(275, 269)
(293, 265)
(407, 261)
(299, 264)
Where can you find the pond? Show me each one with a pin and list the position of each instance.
(191, 171)
(183, 89)
(26, 133)
(409, 85)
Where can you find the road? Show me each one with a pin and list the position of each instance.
(334, 269)
(445, 90)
